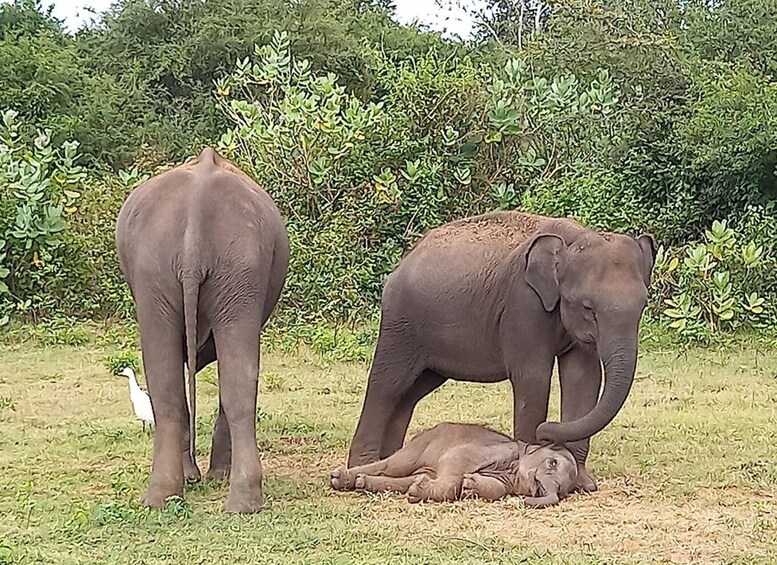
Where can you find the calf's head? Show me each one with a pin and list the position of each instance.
(546, 474)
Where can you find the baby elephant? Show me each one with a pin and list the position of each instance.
(454, 461)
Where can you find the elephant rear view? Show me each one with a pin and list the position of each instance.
(205, 253)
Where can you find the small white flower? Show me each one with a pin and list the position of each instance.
(42, 140)
(9, 116)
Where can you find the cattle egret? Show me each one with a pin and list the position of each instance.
(141, 403)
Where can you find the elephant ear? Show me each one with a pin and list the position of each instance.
(543, 257)
(648, 246)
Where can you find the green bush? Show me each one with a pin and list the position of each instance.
(39, 189)
(359, 182)
(601, 200)
(715, 288)
(57, 225)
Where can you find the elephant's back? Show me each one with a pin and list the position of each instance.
(504, 229)
(459, 433)
(460, 258)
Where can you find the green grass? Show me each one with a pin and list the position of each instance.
(688, 472)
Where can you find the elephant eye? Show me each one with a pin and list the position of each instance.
(552, 463)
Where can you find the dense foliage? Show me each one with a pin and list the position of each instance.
(628, 116)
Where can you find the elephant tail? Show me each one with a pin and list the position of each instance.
(191, 294)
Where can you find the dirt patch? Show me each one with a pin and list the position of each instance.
(626, 519)
(311, 467)
(608, 522)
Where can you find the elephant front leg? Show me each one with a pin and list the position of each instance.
(221, 448)
(531, 391)
(580, 374)
(475, 485)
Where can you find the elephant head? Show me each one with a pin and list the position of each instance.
(545, 475)
(598, 284)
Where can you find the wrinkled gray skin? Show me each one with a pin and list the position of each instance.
(502, 296)
(205, 253)
(454, 461)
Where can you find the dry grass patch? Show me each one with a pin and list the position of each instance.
(687, 472)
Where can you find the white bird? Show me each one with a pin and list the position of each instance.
(141, 403)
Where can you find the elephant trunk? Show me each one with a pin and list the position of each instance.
(618, 352)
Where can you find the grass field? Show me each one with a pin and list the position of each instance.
(687, 472)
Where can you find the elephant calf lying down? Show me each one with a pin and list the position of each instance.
(453, 461)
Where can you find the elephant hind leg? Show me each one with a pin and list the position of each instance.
(221, 448)
(161, 346)
(445, 488)
(394, 436)
(394, 371)
(480, 486)
(237, 345)
(400, 464)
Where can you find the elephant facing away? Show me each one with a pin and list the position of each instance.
(205, 253)
(454, 461)
(503, 296)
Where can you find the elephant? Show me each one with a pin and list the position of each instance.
(502, 296)
(452, 461)
(205, 253)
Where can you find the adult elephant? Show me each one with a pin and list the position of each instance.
(501, 296)
(205, 253)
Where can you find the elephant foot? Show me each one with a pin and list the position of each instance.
(191, 471)
(155, 497)
(240, 502)
(342, 479)
(219, 473)
(360, 483)
(469, 487)
(585, 482)
(417, 492)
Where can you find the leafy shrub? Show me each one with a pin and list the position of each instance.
(39, 189)
(601, 200)
(120, 361)
(59, 331)
(550, 124)
(716, 287)
(93, 285)
(359, 182)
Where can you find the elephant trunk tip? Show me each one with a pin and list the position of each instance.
(550, 431)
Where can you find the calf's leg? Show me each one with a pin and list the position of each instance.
(445, 488)
(475, 485)
(379, 483)
(400, 464)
